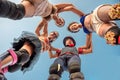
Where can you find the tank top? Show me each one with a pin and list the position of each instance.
(82, 19)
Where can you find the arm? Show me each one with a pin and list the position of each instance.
(87, 50)
(43, 24)
(88, 41)
(51, 55)
(53, 48)
(88, 47)
(69, 7)
(57, 52)
(45, 29)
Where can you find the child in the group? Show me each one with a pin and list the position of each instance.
(68, 59)
(25, 52)
(101, 22)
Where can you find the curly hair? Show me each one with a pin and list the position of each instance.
(116, 31)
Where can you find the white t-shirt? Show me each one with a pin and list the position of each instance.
(97, 23)
(42, 7)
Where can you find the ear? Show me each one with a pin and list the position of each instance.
(119, 40)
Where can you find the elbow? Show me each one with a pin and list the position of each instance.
(91, 50)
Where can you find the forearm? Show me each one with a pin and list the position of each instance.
(88, 40)
(45, 29)
(39, 27)
(83, 47)
(73, 9)
(37, 31)
(85, 50)
(53, 48)
(51, 55)
(76, 11)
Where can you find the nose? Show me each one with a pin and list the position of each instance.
(74, 27)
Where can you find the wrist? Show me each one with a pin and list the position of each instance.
(80, 50)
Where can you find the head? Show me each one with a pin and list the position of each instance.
(74, 27)
(114, 11)
(60, 22)
(53, 36)
(113, 36)
(68, 41)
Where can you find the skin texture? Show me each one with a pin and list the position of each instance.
(29, 48)
(9, 59)
(103, 14)
(59, 21)
(86, 49)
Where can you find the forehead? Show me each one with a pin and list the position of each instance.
(69, 39)
(54, 34)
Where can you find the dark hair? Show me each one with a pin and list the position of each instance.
(66, 38)
(116, 30)
(68, 28)
(54, 9)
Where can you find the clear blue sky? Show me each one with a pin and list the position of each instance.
(102, 64)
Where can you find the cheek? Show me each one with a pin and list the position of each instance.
(72, 28)
(67, 42)
(52, 37)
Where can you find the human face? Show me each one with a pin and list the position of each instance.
(68, 42)
(74, 27)
(53, 36)
(58, 20)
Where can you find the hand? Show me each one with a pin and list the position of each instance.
(45, 47)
